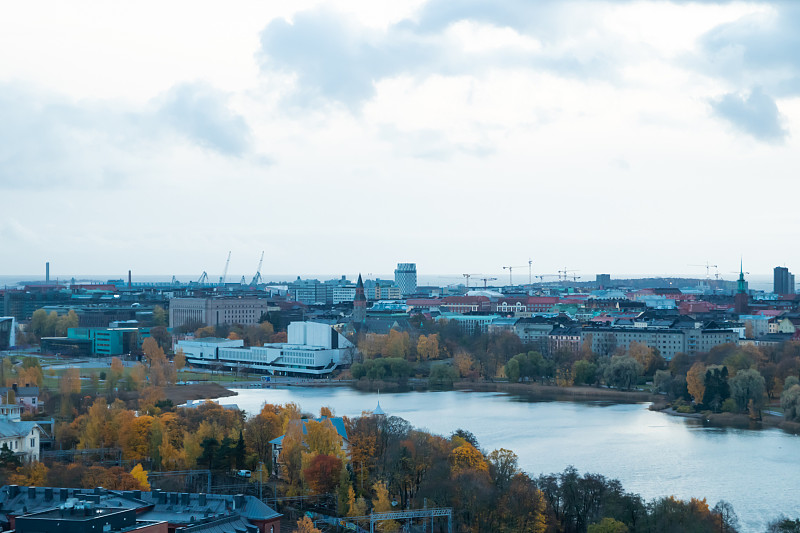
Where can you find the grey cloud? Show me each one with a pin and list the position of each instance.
(199, 112)
(755, 114)
(759, 48)
(336, 59)
(47, 140)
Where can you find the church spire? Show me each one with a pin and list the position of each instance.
(360, 303)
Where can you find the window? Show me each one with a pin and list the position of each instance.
(33, 442)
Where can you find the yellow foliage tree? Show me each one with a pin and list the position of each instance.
(466, 456)
(382, 503)
(179, 360)
(463, 363)
(70, 381)
(31, 475)
(322, 437)
(140, 475)
(305, 525)
(696, 381)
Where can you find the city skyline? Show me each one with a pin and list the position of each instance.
(600, 136)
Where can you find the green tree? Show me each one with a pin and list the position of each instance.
(747, 386)
(622, 372)
(442, 375)
(584, 372)
(159, 316)
(790, 402)
(717, 387)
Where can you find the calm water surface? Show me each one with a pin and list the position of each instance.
(650, 453)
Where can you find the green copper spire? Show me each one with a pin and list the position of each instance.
(742, 285)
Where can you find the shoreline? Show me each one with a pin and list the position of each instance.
(533, 392)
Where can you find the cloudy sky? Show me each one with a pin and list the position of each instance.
(623, 137)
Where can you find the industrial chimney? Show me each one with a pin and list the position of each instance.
(129, 279)
(47, 272)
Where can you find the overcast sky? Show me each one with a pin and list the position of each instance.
(463, 135)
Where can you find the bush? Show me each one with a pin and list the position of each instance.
(729, 406)
(685, 409)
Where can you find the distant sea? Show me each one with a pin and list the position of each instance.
(760, 283)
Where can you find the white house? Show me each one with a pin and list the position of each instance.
(22, 438)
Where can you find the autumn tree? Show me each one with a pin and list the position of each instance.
(140, 475)
(382, 503)
(114, 376)
(322, 473)
(504, 465)
(696, 382)
(179, 360)
(70, 381)
(305, 525)
(466, 456)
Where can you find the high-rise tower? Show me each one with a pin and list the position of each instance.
(783, 281)
(405, 277)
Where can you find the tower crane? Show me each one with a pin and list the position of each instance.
(565, 273)
(257, 277)
(708, 266)
(486, 280)
(225, 272)
(511, 269)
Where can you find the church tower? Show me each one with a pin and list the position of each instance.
(360, 303)
(741, 302)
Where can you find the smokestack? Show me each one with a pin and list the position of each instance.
(129, 279)
(47, 272)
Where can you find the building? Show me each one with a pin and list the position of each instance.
(8, 331)
(182, 512)
(668, 341)
(470, 324)
(218, 311)
(308, 291)
(381, 289)
(783, 281)
(405, 277)
(603, 281)
(26, 397)
(337, 422)
(22, 438)
(82, 517)
(99, 342)
(312, 350)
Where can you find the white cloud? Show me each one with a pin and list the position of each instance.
(460, 134)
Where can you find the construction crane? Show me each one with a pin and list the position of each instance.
(257, 277)
(511, 269)
(565, 273)
(203, 278)
(225, 272)
(708, 267)
(542, 276)
(486, 280)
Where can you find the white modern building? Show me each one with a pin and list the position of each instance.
(8, 330)
(312, 349)
(405, 277)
